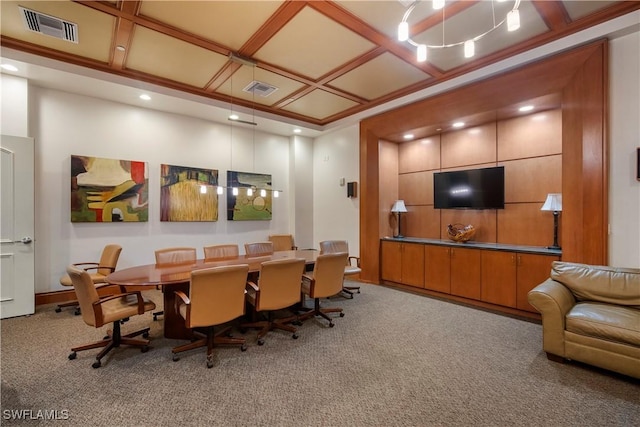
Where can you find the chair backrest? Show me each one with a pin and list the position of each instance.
(328, 273)
(282, 242)
(221, 251)
(217, 295)
(176, 256)
(86, 293)
(109, 259)
(258, 248)
(333, 246)
(280, 282)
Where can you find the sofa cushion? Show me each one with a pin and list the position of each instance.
(599, 283)
(605, 321)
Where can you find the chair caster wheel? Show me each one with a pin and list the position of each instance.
(96, 364)
(341, 314)
(331, 325)
(58, 310)
(294, 336)
(144, 349)
(209, 364)
(145, 335)
(297, 323)
(155, 317)
(260, 342)
(106, 337)
(73, 355)
(77, 312)
(358, 290)
(243, 331)
(243, 347)
(175, 358)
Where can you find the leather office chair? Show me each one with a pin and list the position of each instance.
(99, 272)
(282, 242)
(215, 252)
(258, 248)
(98, 312)
(179, 255)
(334, 246)
(278, 287)
(326, 281)
(216, 296)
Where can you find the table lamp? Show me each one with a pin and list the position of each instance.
(553, 203)
(399, 208)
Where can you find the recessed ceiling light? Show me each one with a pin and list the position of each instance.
(525, 108)
(120, 48)
(297, 130)
(145, 97)
(234, 117)
(458, 124)
(408, 136)
(9, 67)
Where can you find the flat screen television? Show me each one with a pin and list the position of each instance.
(469, 189)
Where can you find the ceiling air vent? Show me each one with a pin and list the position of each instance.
(260, 88)
(49, 25)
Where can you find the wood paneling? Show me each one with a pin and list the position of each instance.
(388, 187)
(469, 146)
(499, 278)
(416, 188)
(421, 221)
(465, 273)
(420, 155)
(532, 270)
(526, 224)
(483, 220)
(530, 180)
(579, 75)
(437, 268)
(538, 134)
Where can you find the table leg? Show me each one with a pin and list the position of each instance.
(174, 326)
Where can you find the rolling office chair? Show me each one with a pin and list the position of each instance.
(282, 242)
(179, 255)
(104, 267)
(216, 296)
(216, 252)
(278, 287)
(325, 281)
(335, 246)
(97, 312)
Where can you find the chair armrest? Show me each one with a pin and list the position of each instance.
(97, 306)
(252, 286)
(357, 260)
(295, 248)
(553, 300)
(181, 296)
(86, 265)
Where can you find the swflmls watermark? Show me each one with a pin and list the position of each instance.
(35, 414)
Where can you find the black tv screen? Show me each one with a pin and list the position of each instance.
(469, 189)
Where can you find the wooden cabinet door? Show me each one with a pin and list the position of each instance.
(413, 264)
(391, 257)
(465, 272)
(532, 270)
(437, 272)
(499, 278)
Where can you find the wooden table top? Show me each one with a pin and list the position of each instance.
(155, 274)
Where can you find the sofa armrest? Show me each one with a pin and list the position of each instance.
(553, 300)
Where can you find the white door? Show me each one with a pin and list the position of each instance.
(17, 290)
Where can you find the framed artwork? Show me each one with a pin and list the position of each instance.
(188, 194)
(108, 190)
(248, 205)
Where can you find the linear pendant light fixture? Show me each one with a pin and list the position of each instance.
(512, 20)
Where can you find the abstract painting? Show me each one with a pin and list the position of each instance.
(108, 190)
(188, 194)
(248, 205)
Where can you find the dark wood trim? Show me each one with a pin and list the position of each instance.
(57, 297)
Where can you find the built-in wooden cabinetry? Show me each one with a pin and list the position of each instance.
(405, 263)
(493, 275)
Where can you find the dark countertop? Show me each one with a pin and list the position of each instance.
(478, 245)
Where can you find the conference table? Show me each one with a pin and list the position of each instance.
(174, 277)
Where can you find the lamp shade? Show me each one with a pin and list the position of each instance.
(399, 206)
(553, 203)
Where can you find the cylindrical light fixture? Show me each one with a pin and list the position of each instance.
(263, 193)
(234, 191)
(220, 189)
(438, 4)
(469, 48)
(513, 20)
(249, 192)
(422, 53)
(403, 31)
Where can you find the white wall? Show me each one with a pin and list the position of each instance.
(14, 111)
(624, 188)
(336, 217)
(64, 124)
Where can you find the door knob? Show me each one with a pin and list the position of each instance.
(25, 240)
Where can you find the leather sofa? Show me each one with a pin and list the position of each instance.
(591, 314)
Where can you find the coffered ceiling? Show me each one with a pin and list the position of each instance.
(326, 59)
